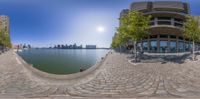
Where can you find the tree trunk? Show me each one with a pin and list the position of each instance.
(135, 51)
(141, 46)
(193, 49)
(120, 49)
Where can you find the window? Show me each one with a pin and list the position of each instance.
(151, 23)
(172, 46)
(163, 36)
(178, 24)
(187, 47)
(173, 36)
(164, 18)
(186, 39)
(152, 18)
(153, 36)
(178, 20)
(139, 46)
(181, 46)
(196, 47)
(145, 46)
(180, 38)
(190, 46)
(153, 47)
(163, 46)
(164, 22)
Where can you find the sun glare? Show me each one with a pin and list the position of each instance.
(100, 29)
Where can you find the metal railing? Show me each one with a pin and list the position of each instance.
(154, 23)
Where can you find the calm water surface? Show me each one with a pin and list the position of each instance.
(62, 61)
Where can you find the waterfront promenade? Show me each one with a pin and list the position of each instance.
(114, 77)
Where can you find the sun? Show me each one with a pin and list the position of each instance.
(100, 29)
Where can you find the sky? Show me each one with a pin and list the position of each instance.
(44, 23)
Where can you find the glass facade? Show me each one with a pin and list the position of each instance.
(145, 46)
(153, 47)
(181, 46)
(190, 46)
(163, 46)
(198, 47)
(172, 46)
(187, 47)
(139, 46)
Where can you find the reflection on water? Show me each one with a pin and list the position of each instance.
(62, 61)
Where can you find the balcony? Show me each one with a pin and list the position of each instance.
(166, 22)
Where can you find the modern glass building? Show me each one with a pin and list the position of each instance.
(166, 26)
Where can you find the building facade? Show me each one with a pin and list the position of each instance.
(166, 26)
(4, 24)
(5, 31)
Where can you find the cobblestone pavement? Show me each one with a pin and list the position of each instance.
(117, 78)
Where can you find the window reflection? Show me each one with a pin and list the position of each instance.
(153, 47)
(191, 46)
(181, 46)
(145, 46)
(187, 47)
(163, 46)
(173, 46)
(139, 46)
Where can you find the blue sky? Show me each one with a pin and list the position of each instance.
(49, 22)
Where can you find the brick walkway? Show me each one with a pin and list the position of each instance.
(117, 78)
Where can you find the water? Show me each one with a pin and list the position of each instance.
(62, 61)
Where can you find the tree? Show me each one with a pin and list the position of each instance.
(1, 38)
(115, 41)
(5, 39)
(7, 42)
(133, 26)
(192, 31)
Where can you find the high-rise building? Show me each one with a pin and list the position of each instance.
(4, 32)
(4, 24)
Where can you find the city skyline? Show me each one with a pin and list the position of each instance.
(51, 22)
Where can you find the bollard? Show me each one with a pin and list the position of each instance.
(81, 70)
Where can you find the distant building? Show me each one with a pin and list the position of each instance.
(66, 46)
(91, 46)
(74, 46)
(80, 47)
(29, 46)
(4, 24)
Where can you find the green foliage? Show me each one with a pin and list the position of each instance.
(191, 29)
(115, 41)
(5, 39)
(1, 38)
(133, 26)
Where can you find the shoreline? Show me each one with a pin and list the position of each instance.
(89, 73)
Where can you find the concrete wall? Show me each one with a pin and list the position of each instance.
(174, 6)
